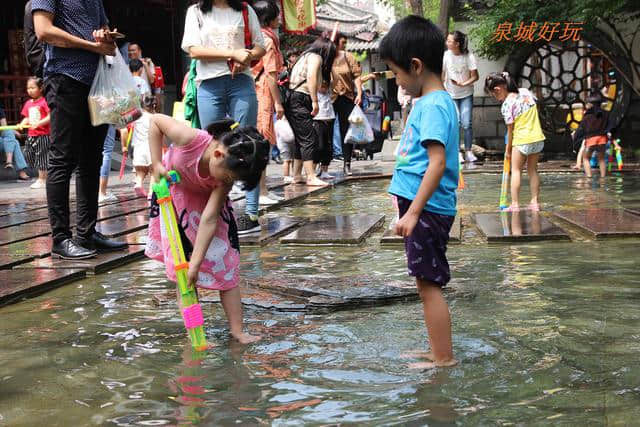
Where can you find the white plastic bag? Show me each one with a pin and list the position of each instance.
(113, 98)
(360, 131)
(284, 133)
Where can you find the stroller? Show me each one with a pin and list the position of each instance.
(375, 109)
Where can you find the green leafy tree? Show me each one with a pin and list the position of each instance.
(589, 12)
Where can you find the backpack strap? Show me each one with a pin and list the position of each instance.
(247, 30)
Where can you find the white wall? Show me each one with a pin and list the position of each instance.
(485, 66)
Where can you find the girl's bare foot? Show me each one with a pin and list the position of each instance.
(299, 180)
(434, 364)
(418, 354)
(244, 338)
(315, 182)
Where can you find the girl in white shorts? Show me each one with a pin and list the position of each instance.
(525, 139)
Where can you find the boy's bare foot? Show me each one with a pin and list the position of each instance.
(299, 180)
(244, 338)
(434, 364)
(418, 354)
(315, 182)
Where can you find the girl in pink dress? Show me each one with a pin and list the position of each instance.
(208, 163)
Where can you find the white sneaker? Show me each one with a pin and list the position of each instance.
(287, 179)
(37, 184)
(266, 200)
(236, 190)
(274, 196)
(326, 175)
(109, 197)
(470, 157)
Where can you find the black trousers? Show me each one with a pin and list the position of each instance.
(75, 145)
(298, 114)
(343, 106)
(324, 130)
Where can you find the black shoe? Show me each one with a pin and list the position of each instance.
(68, 249)
(247, 225)
(100, 243)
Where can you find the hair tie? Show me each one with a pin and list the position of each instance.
(505, 74)
(235, 125)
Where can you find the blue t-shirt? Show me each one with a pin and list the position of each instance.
(433, 117)
(79, 18)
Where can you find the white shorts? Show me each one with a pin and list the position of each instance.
(533, 148)
(286, 150)
(141, 156)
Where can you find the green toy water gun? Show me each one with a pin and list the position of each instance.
(191, 309)
(13, 127)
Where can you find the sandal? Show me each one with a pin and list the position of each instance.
(535, 207)
(9, 166)
(26, 178)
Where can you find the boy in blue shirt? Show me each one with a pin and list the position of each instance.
(426, 173)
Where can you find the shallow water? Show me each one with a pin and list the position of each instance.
(547, 333)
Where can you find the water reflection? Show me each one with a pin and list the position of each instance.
(545, 332)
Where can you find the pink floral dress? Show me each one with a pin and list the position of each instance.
(219, 269)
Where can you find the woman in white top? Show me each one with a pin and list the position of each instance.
(459, 73)
(312, 68)
(214, 34)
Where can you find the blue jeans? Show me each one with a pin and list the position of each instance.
(224, 97)
(465, 110)
(107, 150)
(337, 144)
(11, 145)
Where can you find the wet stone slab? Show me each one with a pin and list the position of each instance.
(251, 296)
(635, 211)
(100, 264)
(602, 223)
(523, 226)
(121, 225)
(340, 293)
(17, 284)
(340, 229)
(455, 235)
(23, 232)
(25, 251)
(272, 228)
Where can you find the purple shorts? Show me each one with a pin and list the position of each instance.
(426, 247)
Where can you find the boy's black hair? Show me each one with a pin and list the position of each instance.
(462, 40)
(327, 50)
(497, 79)
(37, 80)
(414, 37)
(247, 151)
(206, 5)
(339, 36)
(135, 65)
(267, 11)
